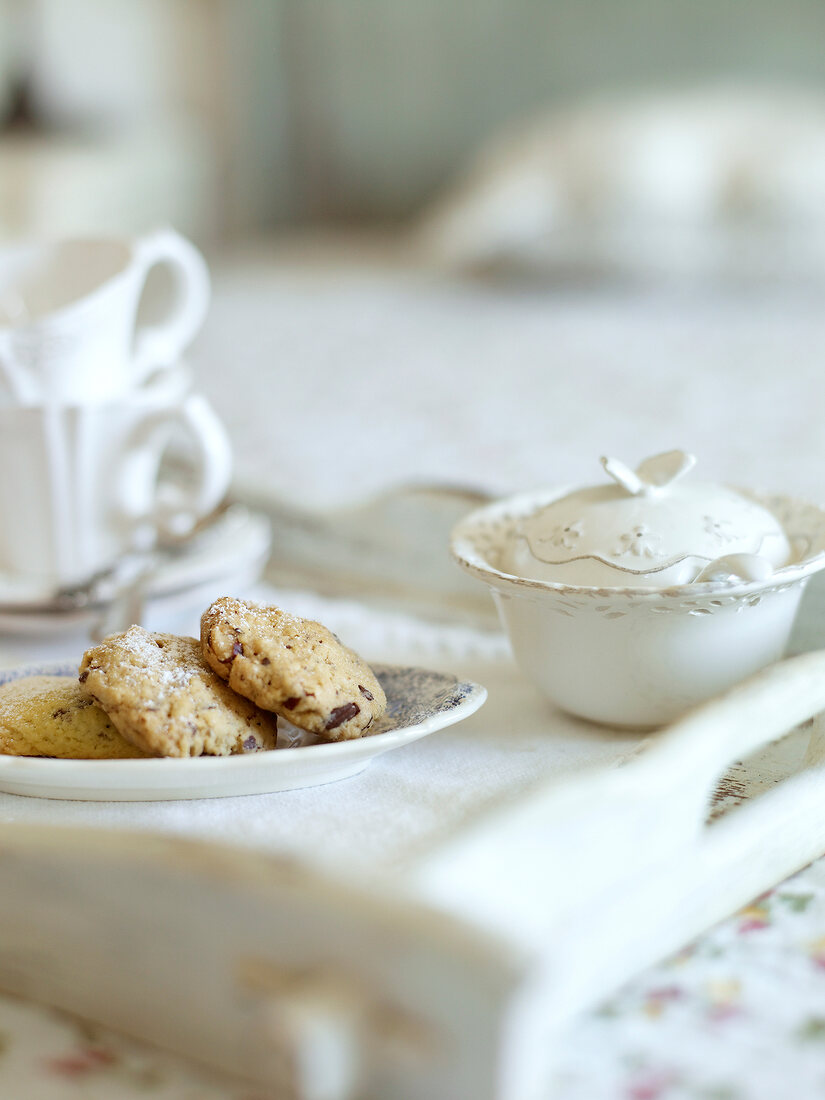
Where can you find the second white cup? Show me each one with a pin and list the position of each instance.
(69, 328)
(81, 483)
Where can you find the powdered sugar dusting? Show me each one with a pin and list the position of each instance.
(161, 694)
(242, 609)
(171, 664)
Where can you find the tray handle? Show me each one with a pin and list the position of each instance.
(597, 831)
(698, 748)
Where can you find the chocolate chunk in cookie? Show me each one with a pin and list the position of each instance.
(161, 696)
(295, 667)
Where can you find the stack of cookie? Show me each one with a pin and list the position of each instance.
(145, 694)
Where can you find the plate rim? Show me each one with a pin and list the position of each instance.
(474, 697)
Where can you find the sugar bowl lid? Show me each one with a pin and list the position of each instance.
(649, 528)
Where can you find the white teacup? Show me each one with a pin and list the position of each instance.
(80, 483)
(68, 316)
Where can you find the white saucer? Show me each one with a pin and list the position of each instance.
(419, 702)
(234, 548)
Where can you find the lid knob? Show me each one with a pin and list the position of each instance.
(651, 476)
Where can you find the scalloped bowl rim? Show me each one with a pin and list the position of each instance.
(465, 551)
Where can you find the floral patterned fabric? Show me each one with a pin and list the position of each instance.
(45, 1055)
(737, 1015)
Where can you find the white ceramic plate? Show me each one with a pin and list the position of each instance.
(419, 702)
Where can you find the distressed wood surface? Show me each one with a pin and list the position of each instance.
(456, 975)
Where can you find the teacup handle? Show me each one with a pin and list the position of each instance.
(161, 343)
(173, 511)
(15, 378)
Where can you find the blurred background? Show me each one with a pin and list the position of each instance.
(232, 117)
(420, 199)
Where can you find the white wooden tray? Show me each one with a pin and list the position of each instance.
(450, 973)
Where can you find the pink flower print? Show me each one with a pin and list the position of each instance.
(723, 994)
(720, 1013)
(816, 950)
(640, 541)
(752, 925)
(651, 1086)
(667, 993)
(658, 999)
(81, 1062)
(754, 918)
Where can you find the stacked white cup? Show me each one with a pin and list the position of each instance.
(90, 401)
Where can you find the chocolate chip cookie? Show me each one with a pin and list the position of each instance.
(161, 696)
(51, 716)
(295, 667)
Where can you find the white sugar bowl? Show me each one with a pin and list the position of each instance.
(630, 602)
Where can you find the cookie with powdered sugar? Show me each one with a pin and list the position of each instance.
(160, 695)
(295, 667)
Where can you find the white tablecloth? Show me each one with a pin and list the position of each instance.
(338, 379)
